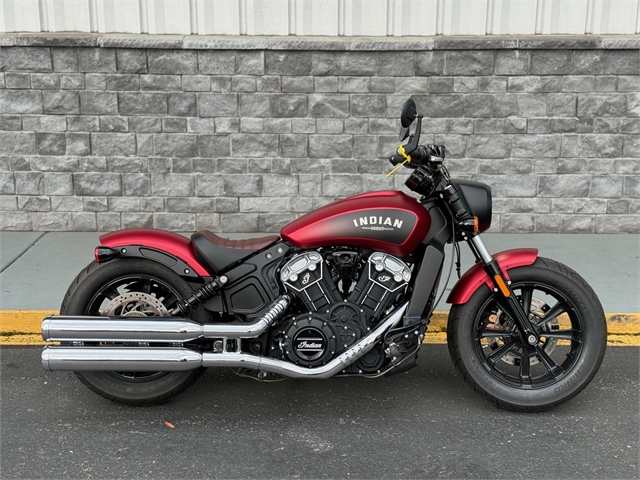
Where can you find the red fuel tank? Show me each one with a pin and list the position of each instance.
(389, 221)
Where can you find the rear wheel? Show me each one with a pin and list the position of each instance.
(497, 362)
(134, 288)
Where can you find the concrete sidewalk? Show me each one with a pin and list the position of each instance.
(36, 267)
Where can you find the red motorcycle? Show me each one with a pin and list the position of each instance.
(346, 290)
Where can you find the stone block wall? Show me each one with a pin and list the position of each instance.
(245, 135)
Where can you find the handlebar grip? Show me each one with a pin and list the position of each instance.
(419, 154)
(396, 159)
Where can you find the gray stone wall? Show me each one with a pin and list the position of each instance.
(245, 137)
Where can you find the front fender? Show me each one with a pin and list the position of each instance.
(168, 248)
(476, 276)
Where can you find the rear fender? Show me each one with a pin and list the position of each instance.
(168, 248)
(476, 276)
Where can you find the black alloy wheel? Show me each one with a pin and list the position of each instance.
(492, 356)
(132, 287)
(134, 296)
(509, 358)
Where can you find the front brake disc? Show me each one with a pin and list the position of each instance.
(538, 309)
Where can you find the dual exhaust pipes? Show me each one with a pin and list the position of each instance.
(60, 328)
(177, 358)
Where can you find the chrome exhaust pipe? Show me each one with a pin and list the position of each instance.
(61, 328)
(133, 359)
(292, 370)
(120, 359)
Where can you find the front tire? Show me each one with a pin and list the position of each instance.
(488, 351)
(96, 287)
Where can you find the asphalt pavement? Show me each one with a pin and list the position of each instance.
(422, 424)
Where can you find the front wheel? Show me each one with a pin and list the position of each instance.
(131, 288)
(493, 358)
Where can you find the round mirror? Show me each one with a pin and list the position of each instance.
(409, 112)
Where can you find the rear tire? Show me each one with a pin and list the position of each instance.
(86, 295)
(488, 351)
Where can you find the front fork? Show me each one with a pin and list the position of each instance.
(468, 225)
(503, 286)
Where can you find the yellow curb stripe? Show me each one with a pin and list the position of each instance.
(623, 323)
(22, 327)
(23, 339)
(13, 322)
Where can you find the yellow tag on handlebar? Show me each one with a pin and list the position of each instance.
(407, 158)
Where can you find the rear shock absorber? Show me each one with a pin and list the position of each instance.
(204, 293)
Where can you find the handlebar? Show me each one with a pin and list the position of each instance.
(420, 156)
(429, 176)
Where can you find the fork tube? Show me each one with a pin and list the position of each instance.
(503, 286)
(481, 249)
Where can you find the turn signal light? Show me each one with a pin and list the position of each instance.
(471, 224)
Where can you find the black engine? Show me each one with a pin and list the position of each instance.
(342, 294)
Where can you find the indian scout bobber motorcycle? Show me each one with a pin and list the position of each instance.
(346, 290)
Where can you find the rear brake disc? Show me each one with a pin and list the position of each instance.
(135, 304)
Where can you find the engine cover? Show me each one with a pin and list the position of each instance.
(309, 340)
(385, 277)
(349, 322)
(333, 319)
(305, 274)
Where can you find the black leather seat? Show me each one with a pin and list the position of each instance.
(218, 253)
